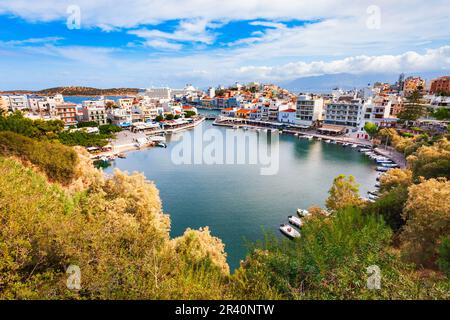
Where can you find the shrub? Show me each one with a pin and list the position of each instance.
(56, 160)
(427, 216)
(444, 256)
(17, 123)
(84, 139)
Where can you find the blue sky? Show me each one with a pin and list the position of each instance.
(143, 43)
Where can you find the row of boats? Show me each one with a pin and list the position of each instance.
(288, 228)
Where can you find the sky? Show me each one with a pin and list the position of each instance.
(145, 43)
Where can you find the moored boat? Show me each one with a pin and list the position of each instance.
(295, 221)
(289, 231)
(302, 212)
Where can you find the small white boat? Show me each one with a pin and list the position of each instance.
(235, 127)
(302, 212)
(355, 145)
(295, 221)
(373, 197)
(289, 231)
(365, 150)
(382, 169)
(327, 141)
(319, 138)
(389, 165)
(377, 185)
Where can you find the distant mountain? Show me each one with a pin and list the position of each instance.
(79, 91)
(326, 83)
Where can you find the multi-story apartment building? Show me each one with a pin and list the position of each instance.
(159, 93)
(67, 112)
(396, 105)
(221, 102)
(208, 102)
(347, 111)
(94, 110)
(125, 103)
(441, 84)
(17, 102)
(309, 110)
(376, 110)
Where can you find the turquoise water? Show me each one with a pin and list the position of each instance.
(80, 99)
(235, 201)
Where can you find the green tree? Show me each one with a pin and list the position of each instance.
(431, 161)
(343, 193)
(413, 108)
(170, 116)
(159, 118)
(442, 114)
(371, 129)
(85, 124)
(427, 216)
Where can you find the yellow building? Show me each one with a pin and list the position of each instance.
(413, 83)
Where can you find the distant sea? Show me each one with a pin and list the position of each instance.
(80, 99)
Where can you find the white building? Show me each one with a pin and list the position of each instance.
(347, 112)
(309, 110)
(125, 103)
(287, 116)
(159, 93)
(16, 102)
(211, 92)
(94, 110)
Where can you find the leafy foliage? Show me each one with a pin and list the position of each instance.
(82, 138)
(329, 261)
(427, 215)
(114, 230)
(56, 160)
(343, 193)
(17, 123)
(431, 161)
(371, 129)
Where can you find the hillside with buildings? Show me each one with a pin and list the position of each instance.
(78, 91)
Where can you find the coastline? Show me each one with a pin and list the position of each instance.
(126, 147)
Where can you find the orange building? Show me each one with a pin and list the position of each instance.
(243, 113)
(67, 113)
(441, 84)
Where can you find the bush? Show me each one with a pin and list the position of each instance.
(330, 261)
(86, 124)
(431, 161)
(84, 139)
(444, 256)
(390, 206)
(109, 129)
(427, 216)
(17, 123)
(56, 160)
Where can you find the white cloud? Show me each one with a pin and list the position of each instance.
(432, 59)
(32, 41)
(162, 44)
